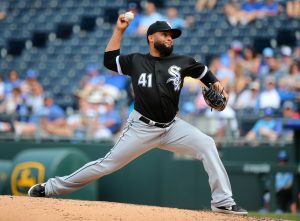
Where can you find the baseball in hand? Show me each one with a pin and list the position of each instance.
(129, 15)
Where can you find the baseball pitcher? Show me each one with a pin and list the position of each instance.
(157, 79)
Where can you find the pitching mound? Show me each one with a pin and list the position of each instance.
(15, 208)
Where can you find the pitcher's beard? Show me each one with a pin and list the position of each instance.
(163, 49)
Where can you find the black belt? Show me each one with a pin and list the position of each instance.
(153, 123)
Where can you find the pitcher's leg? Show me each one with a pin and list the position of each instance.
(128, 147)
(186, 139)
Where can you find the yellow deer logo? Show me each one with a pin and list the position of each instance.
(25, 175)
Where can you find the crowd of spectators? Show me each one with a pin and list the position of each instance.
(250, 10)
(148, 14)
(27, 110)
(262, 87)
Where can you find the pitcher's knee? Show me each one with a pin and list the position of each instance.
(211, 141)
(208, 142)
(206, 146)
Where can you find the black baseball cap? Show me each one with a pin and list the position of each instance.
(161, 26)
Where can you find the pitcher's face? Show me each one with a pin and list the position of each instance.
(163, 42)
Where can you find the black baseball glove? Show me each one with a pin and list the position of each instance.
(214, 98)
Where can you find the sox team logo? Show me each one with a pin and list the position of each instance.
(176, 77)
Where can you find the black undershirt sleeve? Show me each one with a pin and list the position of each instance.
(208, 78)
(109, 60)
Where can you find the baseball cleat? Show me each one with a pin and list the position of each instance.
(235, 209)
(38, 190)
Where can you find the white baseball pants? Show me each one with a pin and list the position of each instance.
(138, 138)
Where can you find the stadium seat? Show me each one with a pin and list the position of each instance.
(88, 23)
(286, 37)
(39, 39)
(64, 30)
(15, 46)
(260, 43)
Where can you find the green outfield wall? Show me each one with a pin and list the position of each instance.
(156, 178)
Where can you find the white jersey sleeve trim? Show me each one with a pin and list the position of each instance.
(203, 73)
(118, 65)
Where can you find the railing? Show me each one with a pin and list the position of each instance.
(225, 131)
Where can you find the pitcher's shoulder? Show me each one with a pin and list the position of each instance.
(183, 58)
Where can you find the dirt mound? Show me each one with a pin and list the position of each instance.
(15, 208)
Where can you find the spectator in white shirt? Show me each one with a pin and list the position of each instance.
(35, 98)
(249, 97)
(269, 97)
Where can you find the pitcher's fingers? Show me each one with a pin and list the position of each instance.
(122, 18)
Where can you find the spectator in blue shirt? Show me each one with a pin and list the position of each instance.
(53, 119)
(283, 187)
(12, 82)
(266, 128)
(246, 12)
(271, 8)
(135, 23)
(109, 120)
(94, 77)
(176, 21)
(119, 81)
(233, 55)
(252, 6)
(149, 16)
(251, 11)
(91, 81)
(283, 184)
(286, 90)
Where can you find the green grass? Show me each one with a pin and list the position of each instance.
(286, 216)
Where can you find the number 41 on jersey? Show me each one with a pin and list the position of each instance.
(145, 80)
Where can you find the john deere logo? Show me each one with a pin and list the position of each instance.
(25, 175)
